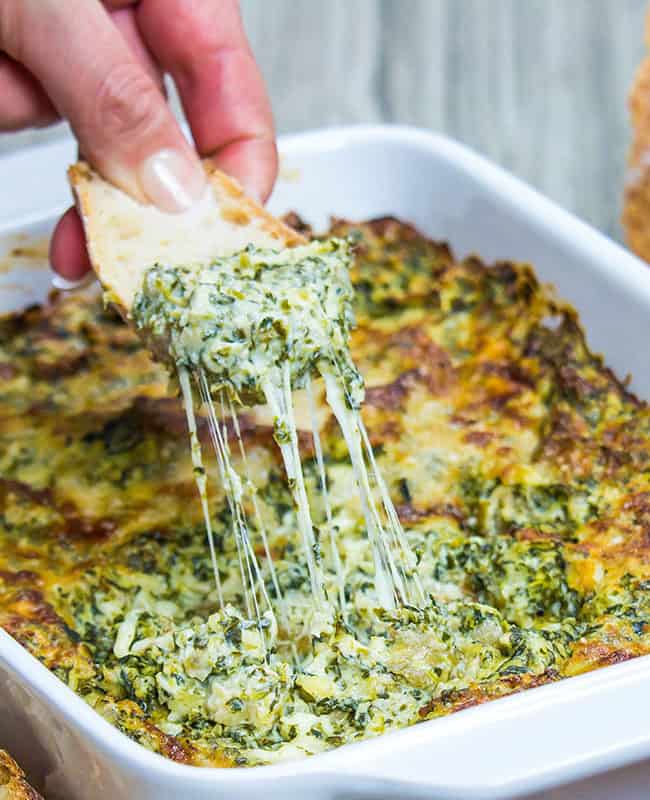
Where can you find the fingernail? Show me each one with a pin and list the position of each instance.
(254, 193)
(67, 285)
(251, 188)
(171, 181)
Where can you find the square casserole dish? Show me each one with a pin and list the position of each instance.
(533, 742)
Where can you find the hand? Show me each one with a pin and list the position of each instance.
(100, 66)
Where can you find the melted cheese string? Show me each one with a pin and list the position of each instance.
(322, 477)
(395, 580)
(199, 473)
(394, 565)
(251, 576)
(261, 527)
(407, 563)
(407, 586)
(278, 396)
(387, 580)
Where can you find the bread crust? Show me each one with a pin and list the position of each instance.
(13, 785)
(636, 203)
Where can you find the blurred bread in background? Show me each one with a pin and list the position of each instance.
(13, 785)
(636, 205)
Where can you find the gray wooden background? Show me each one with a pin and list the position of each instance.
(537, 85)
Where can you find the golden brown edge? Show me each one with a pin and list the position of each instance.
(13, 784)
(234, 191)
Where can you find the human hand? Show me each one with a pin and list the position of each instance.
(100, 66)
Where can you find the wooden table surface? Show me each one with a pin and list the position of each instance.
(537, 85)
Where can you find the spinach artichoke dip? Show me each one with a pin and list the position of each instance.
(243, 317)
(517, 463)
(256, 325)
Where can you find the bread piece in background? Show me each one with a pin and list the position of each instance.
(13, 785)
(636, 206)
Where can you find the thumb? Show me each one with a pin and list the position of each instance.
(117, 111)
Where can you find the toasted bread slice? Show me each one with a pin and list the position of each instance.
(13, 785)
(126, 237)
(636, 200)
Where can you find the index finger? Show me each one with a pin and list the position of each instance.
(202, 44)
(116, 109)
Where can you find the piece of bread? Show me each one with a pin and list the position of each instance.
(13, 785)
(126, 237)
(636, 206)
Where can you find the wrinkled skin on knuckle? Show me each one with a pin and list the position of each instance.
(195, 19)
(128, 109)
(10, 23)
(13, 28)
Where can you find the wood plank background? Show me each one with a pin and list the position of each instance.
(537, 85)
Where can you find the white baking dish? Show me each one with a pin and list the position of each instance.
(527, 743)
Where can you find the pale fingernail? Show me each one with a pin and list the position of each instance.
(251, 190)
(67, 285)
(171, 181)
